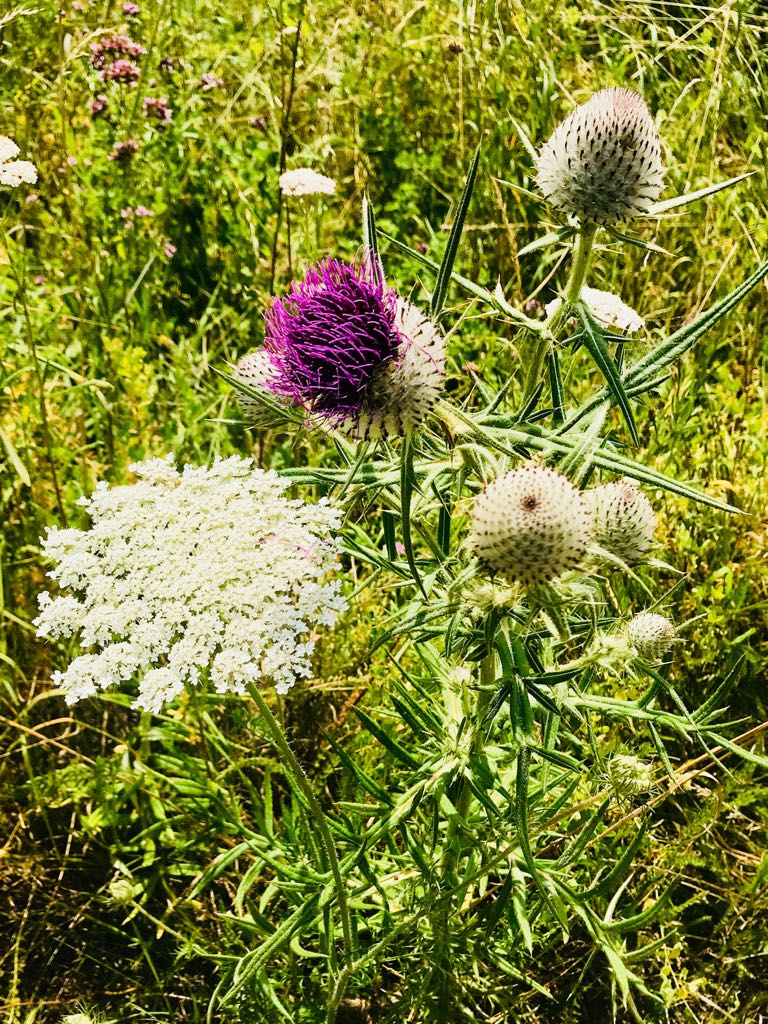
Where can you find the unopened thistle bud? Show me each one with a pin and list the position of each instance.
(623, 520)
(255, 371)
(630, 776)
(651, 635)
(530, 525)
(603, 163)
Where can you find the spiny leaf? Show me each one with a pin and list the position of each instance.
(446, 267)
(672, 204)
(594, 342)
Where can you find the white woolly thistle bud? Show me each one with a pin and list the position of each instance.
(255, 371)
(603, 163)
(629, 775)
(530, 525)
(405, 389)
(651, 635)
(623, 520)
(607, 309)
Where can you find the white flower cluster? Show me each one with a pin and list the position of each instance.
(204, 570)
(14, 172)
(303, 181)
(608, 309)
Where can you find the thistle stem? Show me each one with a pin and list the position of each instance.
(452, 851)
(582, 253)
(302, 782)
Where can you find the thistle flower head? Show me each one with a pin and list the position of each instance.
(14, 172)
(404, 389)
(209, 570)
(603, 163)
(629, 775)
(651, 635)
(303, 181)
(623, 520)
(530, 525)
(255, 370)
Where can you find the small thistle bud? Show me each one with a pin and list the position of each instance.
(603, 163)
(530, 525)
(623, 519)
(404, 391)
(630, 776)
(651, 635)
(255, 370)
(610, 312)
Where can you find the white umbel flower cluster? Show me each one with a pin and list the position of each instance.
(208, 570)
(623, 520)
(651, 635)
(14, 172)
(603, 163)
(255, 371)
(303, 181)
(405, 390)
(610, 312)
(531, 525)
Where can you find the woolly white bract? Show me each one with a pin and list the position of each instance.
(14, 172)
(207, 569)
(303, 181)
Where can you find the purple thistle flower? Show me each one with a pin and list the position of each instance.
(330, 335)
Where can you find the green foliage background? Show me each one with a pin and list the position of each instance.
(109, 820)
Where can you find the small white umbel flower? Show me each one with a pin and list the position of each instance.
(610, 312)
(651, 635)
(623, 520)
(255, 371)
(405, 389)
(530, 525)
(603, 163)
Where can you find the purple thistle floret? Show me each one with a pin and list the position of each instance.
(330, 335)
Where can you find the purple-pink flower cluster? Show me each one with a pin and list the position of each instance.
(330, 335)
(159, 110)
(114, 57)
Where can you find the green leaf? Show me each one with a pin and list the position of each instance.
(672, 204)
(549, 239)
(386, 740)
(594, 342)
(407, 486)
(370, 238)
(15, 459)
(446, 267)
(619, 871)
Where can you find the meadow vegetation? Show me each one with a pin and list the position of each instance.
(142, 262)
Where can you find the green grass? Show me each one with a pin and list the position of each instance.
(113, 825)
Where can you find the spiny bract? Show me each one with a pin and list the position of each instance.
(530, 524)
(603, 163)
(255, 371)
(651, 635)
(623, 520)
(404, 391)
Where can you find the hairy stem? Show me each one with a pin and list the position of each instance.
(582, 252)
(452, 851)
(299, 777)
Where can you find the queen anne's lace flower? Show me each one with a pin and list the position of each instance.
(603, 163)
(530, 524)
(14, 172)
(303, 181)
(182, 573)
